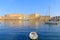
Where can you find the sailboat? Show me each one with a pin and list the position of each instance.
(50, 22)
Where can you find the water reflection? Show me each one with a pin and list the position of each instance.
(13, 23)
(1, 21)
(20, 23)
(34, 23)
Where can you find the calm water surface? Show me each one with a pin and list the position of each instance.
(19, 30)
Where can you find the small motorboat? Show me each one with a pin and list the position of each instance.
(33, 36)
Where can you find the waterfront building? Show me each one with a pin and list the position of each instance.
(28, 17)
(36, 17)
(56, 18)
(32, 17)
(14, 16)
(43, 19)
(1, 17)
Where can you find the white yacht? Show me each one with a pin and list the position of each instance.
(52, 22)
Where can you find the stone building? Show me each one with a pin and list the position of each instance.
(36, 17)
(56, 18)
(43, 19)
(1, 17)
(14, 16)
(32, 17)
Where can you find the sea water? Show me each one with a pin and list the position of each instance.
(18, 31)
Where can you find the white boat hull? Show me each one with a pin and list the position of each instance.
(33, 36)
(51, 23)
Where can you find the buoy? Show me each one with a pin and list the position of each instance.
(33, 36)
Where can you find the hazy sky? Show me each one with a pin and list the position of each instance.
(30, 6)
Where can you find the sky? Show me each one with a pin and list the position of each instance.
(27, 7)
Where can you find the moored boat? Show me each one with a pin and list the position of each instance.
(51, 22)
(33, 36)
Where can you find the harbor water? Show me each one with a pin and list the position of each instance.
(14, 30)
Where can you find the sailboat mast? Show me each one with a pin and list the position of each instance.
(49, 11)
